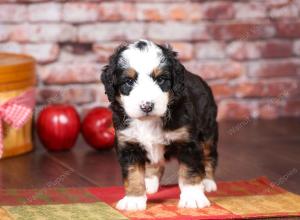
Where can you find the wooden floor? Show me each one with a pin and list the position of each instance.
(247, 149)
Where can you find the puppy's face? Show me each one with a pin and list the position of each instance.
(142, 78)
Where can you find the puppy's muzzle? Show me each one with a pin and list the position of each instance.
(147, 107)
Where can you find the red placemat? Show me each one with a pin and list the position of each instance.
(256, 198)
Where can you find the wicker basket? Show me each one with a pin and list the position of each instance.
(17, 74)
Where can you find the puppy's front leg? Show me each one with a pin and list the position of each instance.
(210, 156)
(191, 174)
(154, 173)
(132, 159)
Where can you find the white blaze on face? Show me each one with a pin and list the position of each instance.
(144, 61)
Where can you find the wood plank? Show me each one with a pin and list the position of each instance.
(37, 170)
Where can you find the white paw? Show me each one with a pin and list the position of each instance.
(209, 185)
(132, 203)
(152, 184)
(192, 196)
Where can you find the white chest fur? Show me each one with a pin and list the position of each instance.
(150, 135)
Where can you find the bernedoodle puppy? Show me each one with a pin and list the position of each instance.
(161, 111)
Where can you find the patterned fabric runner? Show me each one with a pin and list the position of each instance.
(233, 200)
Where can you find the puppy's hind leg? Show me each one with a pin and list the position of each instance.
(153, 176)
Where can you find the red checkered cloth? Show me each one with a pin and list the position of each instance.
(16, 112)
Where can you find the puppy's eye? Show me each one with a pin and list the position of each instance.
(129, 82)
(160, 80)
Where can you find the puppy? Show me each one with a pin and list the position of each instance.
(160, 111)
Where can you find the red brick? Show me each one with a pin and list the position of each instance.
(296, 48)
(265, 109)
(101, 97)
(252, 9)
(289, 10)
(216, 70)
(110, 32)
(292, 108)
(222, 90)
(67, 56)
(249, 89)
(282, 88)
(297, 3)
(234, 109)
(177, 31)
(230, 90)
(67, 94)
(273, 49)
(13, 12)
(185, 50)
(218, 10)
(288, 29)
(43, 33)
(117, 11)
(4, 32)
(277, 3)
(77, 53)
(78, 12)
(268, 110)
(11, 47)
(273, 69)
(44, 12)
(157, 1)
(77, 48)
(241, 31)
(175, 12)
(151, 12)
(185, 12)
(240, 50)
(262, 88)
(101, 100)
(70, 73)
(104, 50)
(253, 50)
(210, 50)
(43, 53)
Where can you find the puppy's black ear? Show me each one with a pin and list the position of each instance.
(108, 79)
(109, 75)
(178, 78)
(177, 70)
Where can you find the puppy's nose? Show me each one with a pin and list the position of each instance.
(147, 107)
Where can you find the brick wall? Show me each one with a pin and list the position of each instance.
(247, 50)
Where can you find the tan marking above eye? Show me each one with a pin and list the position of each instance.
(156, 72)
(130, 73)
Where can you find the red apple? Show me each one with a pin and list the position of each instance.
(58, 127)
(97, 128)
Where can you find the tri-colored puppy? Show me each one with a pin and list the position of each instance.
(161, 110)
